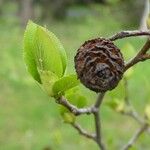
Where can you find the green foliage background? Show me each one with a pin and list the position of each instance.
(29, 120)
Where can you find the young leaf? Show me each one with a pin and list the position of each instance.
(64, 84)
(29, 46)
(43, 51)
(61, 49)
(46, 53)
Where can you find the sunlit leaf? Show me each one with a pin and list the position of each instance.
(47, 53)
(43, 51)
(29, 47)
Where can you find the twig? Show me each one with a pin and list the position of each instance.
(135, 137)
(76, 111)
(98, 122)
(83, 132)
(94, 109)
(99, 100)
(141, 56)
(125, 34)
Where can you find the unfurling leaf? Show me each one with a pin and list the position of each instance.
(43, 51)
(64, 84)
(29, 50)
(44, 56)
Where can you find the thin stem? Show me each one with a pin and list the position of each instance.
(94, 109)
(76, 111)
(99, 100)
(83, 132)
(135, 137)
(98, 131)
(98, 121)
(125, 34)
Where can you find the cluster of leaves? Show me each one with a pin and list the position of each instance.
(46, 60)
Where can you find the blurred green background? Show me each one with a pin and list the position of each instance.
(29, 120)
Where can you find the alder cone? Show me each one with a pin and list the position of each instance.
(99, 64)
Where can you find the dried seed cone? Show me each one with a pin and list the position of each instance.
(99, 64)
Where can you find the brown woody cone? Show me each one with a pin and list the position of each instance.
(99, 64)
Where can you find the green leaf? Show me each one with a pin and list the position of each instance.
(48, 56)
(61, 49)
(29, 40)
(43, 52)
(64, 84)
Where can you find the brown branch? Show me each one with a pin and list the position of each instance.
(76, 111)
(141, 56)
(125, 34)
(83, 132)
(98, 121)
(135, 137)
(99, 100)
